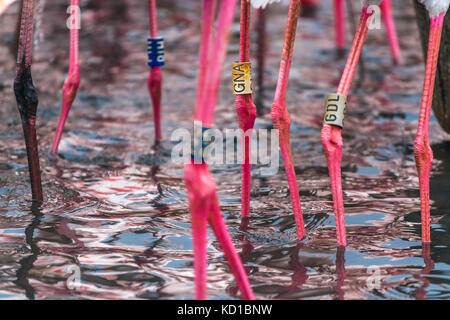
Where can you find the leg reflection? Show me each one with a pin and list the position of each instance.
(300, 273)
(421, 293)
(26, 264)
(340, 272)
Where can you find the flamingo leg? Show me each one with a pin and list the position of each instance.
(209, 8)
(204, 206)
(261, 57)
(280, 116)
(155, 78)
(224, 238)
(422, 150)
(339, 26)
(200, 185)
(205, 111)
(72, 82)
(246, 110)
(199, 205)
(388, 18)
(154, 84)
(331, 135)
(26, 96)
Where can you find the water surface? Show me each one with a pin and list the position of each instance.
(119, 212)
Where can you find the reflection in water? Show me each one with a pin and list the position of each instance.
(421, 293)
(64, 230)
(26, 264)
(299, 276)
(156, 202)
(246, 251)
(340, 272)
(246, 244)
(149, 254)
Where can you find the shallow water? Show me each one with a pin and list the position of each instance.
(119, 212)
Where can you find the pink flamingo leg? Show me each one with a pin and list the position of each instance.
(200, 192)
(280, 115)
(26, 96)
(209, 8)
(205, 111)
(155, 78)
(422, 150)
(224, 238)
(261, 57)
(200, 185)
(246, 110)
(72, 82)
(339, 25)
(197, 196)
(388, 18)
(331, 135)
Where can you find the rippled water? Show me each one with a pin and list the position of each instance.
(120, 213)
